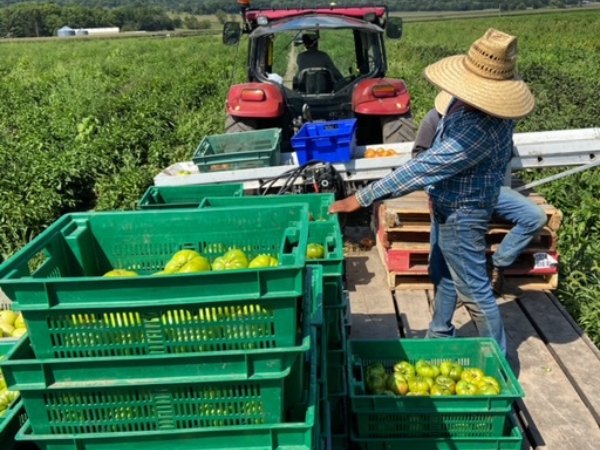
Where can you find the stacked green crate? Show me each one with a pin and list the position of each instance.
(161, 361)
(323, 229)
(318, 204)
(163, 197)
(13, 416)
(441, 422)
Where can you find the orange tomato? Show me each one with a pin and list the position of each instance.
(390, 153)
(380, 152)
(370, 153)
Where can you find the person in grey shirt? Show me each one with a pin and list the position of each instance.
(312, 57)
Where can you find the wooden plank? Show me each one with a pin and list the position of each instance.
(578, 362)
(595, 350)
(554, 416)
(533, 282)
(413, 308)
(371, 302)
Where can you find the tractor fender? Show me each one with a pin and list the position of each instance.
(364, 102)
(270, 107)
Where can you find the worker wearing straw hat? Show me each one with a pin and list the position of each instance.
(527, 217)
(463, 172)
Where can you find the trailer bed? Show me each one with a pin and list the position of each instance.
(556, 363)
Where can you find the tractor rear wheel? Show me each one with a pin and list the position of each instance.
(240, 124)
(398, 129)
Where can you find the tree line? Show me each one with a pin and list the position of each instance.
(37, 19)
(44, 19)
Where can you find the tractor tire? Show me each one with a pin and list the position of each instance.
(240, 124)
(398, 129)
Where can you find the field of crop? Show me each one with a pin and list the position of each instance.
(88, 124)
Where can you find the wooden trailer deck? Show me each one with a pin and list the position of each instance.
(556, 363)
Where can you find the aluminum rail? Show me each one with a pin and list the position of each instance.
(532, 150)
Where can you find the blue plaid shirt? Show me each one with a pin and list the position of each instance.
(464, 168)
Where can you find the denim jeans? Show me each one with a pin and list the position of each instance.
(458, 269)
(527, 217)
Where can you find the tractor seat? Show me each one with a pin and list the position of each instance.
(315, 80)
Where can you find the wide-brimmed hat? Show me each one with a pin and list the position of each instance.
(442, 101)
(485, 78)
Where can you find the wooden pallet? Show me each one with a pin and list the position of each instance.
(416, 236)
(521, 275)
(413, 210)
(400, 281)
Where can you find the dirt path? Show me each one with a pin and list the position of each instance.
(292, 67)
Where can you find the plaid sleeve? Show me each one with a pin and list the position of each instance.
(463, 145)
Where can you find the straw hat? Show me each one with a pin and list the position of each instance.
(442, 101)
(485, 78)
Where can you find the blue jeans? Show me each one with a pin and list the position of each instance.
(527, 217)
(458, 269)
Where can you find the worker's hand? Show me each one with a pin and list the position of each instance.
(348, 205)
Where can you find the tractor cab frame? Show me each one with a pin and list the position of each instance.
(357, 89)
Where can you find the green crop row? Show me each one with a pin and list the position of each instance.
(87, 124)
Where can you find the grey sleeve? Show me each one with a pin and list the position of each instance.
(426, 133)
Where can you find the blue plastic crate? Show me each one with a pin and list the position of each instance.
(331, 141)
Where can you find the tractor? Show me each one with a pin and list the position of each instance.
(287, 87)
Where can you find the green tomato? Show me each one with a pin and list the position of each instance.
(262, 261)
(397, 383)
(234, 259)
(439, 390)
(451, 369)
(465, 388)
(120, 273)
(19, 322)
(186, 261)
(427, 370)
(488, 390)
(417, 394)
(8, 316)
(489, 384)
(473, 375)
(447, 382)
(375, 369)
(375, 384)
(405, 368)
(419, 384)
(315, 251)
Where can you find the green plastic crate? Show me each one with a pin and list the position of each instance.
(236, 151)
(300, 430)
(335, 322)
(241, 344)
(15, 416)
(333, 291)
(24, 372)
(403, 416)
(336, 380)
(329, 235)
(10, 424)
(318, 204)
(325, 424)
(163, 197)
(510, 439)
(339, 414)
(71, 310)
